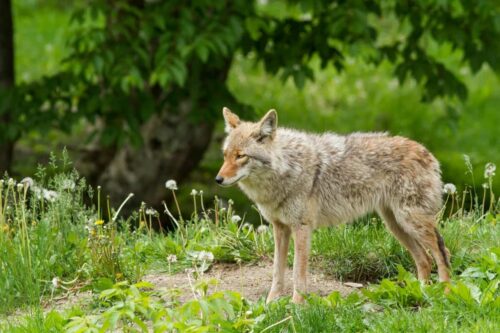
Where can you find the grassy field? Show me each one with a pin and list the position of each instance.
(54, 245)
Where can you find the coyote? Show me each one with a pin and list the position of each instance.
(301, 181)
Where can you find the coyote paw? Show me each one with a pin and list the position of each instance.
(273, 294)
(297, 298)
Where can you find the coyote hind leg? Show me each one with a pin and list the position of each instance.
(422, 228)
(418, 253)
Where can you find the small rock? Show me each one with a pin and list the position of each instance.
(353, 284)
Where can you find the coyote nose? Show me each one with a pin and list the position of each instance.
(219, 179)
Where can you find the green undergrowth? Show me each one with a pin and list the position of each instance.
(401, 304)
(54, 242)
(366, 250)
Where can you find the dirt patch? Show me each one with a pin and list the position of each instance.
(251, 281)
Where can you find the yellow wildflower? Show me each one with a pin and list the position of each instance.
(119, 275)
(99, 222)
(5, 227)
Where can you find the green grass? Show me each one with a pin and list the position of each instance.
(401, 304)
(366, 251)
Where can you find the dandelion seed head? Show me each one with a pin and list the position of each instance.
(20, 187)
(11, 182)
(50, 195)
(171, 184)
(486, 186)
(172, 258)
(194, 192)
(449, 189)
(28, 181)
(235, 218)
(262, 229)
(151, 211)
(230, 202)
(56, 283)
(489, 170)
(205, 256)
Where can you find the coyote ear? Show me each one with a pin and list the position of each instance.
(268, 124)
(232, 121)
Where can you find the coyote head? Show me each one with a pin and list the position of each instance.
(246, 148)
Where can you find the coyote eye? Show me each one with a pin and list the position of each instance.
(240, 156)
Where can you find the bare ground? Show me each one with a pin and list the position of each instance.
(251, 281)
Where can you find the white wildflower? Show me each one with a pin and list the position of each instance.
(11, 182)
(247, 226)
(201, 193)
(235, 218)
(28, 181)
(171, 184)
(68, 184)
(489, 170)
(230, 202)
(449, 189)
(20, 187)
(37, 191)
(262, 229)
(50, 195)
(172, 258)
(486, 186)
(56, 283)
(205, 256)
(194, 192)
(151, 211)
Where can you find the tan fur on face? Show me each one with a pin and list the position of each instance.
(231, 163)
(301, 181)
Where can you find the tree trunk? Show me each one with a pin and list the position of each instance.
(173, 147)
(7, 78)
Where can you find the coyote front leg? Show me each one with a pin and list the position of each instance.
(281, 241)
(302, 244)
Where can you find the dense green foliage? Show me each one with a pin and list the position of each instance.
(124, 62)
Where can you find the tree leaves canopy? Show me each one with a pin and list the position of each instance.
(131, 58)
